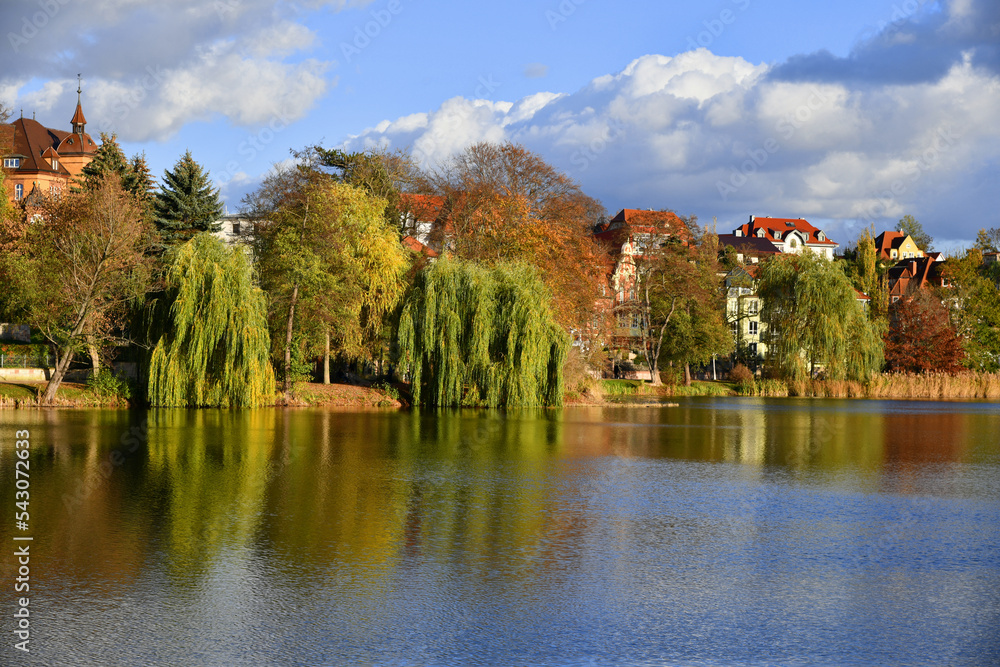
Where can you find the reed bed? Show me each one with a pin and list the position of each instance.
(969, 385)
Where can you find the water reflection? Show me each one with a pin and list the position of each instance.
(720, 529)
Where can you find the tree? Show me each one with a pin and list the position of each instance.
(680, 279)
(812, 317)
(482, 336)
(186, 203)
(974, 301)
(328, 260)
(108, 158)
(503, 202)
(868, 279)
(920, 336)
(988, 240)
(80, 267)
(380, 173)
(910, 226)
(209, 338)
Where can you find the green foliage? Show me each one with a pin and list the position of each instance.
(209, 331)
(186, 203)
(387, 390)
(911, 226)
(329, 263)
(988, 240)
(109, 158)
(106, 384)
(975, 309)
(482, 336)
(813, 318)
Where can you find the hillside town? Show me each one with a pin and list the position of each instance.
(642, 294)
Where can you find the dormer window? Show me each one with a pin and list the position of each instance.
(821, 236)
(12, 163)
(55, 163)
(760, 233)
(777, 235)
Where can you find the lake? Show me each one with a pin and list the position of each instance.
(720, 531)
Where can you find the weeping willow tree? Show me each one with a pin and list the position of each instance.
(481, 336)
(209, 331)
(813, 318)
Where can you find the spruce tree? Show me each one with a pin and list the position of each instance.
(109, 158)
(186, 204)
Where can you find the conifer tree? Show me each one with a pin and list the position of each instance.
(109, 158)
(187, 203)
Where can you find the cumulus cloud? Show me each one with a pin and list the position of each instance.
(241, 59)
(720, 136)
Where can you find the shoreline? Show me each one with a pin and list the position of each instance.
(609, 393)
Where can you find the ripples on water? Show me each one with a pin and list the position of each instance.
(717, 532)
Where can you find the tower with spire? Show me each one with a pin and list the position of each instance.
(44, 160)
(79, 122)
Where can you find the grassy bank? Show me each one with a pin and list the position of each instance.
(70, 395)
(73, 395)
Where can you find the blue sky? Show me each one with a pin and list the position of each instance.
(847, 114)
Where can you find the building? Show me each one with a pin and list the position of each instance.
(749, 249)
(913, 274)
(626, 238)
(894, 246)
(788, 235)
(45, 160)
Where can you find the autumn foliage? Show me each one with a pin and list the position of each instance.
(921, 338)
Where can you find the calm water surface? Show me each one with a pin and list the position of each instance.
(722, 531)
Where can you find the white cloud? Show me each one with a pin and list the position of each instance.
(717, 136)
(239, 59)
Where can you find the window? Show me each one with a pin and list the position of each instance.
(753, 327)
(55, 163)
(236, 230)
(734, 327)
(753, 349)
(754, 307)
(793, 243)
(18, 191)
(895, 299)
(12, 162)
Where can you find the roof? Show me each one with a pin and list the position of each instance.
(776, 228)
(416, 246)
(861, 296)
(32, 140)
(78, 118)
(917, 270)
(631, 221)
(748, 244)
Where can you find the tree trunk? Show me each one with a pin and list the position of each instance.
(95, 359)
(326, 359)
(687, 374)
(287, 386)
(62, 365)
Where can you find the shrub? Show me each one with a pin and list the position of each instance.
(108, 384)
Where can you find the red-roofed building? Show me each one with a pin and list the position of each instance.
(423, 215)
(788, 235)
(893, 246)
(43, 160)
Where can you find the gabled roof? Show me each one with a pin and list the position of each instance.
(913, 273)
(748, 244)
(32, 140)
(775, 230)
(631, 221)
